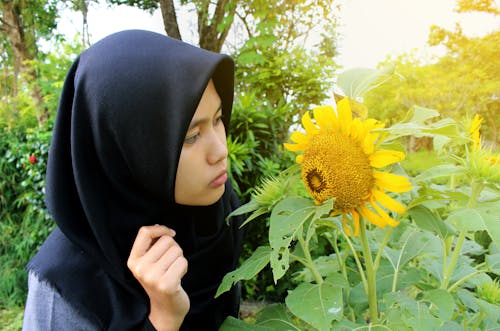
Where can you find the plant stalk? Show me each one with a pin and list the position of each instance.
(370, 273)
(310, 263)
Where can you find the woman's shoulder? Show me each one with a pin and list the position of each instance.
(47, 310)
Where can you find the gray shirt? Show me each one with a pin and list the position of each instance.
(47, 310)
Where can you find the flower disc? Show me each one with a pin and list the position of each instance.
(336, 166)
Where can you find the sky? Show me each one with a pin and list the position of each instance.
(370, 30)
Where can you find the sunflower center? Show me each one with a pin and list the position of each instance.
(335, 166)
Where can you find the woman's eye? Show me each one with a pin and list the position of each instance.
(192, 139)
(218, 120)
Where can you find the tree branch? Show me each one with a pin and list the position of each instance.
(170, 19)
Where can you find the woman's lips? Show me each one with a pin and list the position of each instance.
(220, 180)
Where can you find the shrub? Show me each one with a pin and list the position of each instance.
(24, 222)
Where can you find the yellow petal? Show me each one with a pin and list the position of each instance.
(494, 160)
(384, 215)
(325, 118)
(299, 158)
(391, 182)
(356, 129)
(371, 217)
(355, 219)
(344, 225)
(308, 125)
(293, 147)
(474, 131)
(344, 115)
(368, 143)
(300, 138)
(388, 202)
(383, 158)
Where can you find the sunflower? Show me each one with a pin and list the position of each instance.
(483, 163)
(340, 160)
(474, 131)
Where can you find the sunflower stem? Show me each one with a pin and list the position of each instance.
(310, 264)
(358, 262)
(370, 273)
(476, 188)
(381, 248)
(465, 278)
(453, 261)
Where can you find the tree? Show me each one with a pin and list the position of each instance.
(22, 24)
(459, 84)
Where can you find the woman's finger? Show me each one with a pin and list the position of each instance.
(146, 236)
(159, 248)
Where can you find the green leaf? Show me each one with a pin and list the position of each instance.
(356, 82)
(287, 219)
(414, 245)
(444, 170)
(251, 267)
(466, 219)
(443, 301)
(427, 220)
(421, 114)
(490, 212)
(275, 317)
(317, 304)
(234, 324)
(493, 262)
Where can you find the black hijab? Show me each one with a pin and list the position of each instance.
(124, 111)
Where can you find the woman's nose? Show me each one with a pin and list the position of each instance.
(217, 148)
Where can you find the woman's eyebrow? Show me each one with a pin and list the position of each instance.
(204, 120)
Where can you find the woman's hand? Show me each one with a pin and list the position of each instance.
(157, 262)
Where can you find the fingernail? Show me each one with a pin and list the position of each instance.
(172, 232)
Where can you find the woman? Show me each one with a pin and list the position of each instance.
(137, 185)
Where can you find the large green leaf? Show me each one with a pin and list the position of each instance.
(443, 170)
(490, 212)
(356, 82)
(493, 262)
(413, 245)
(317, 304)
(276, 317)
(466, 219)
(287, 219)
(234, 324)
(427, 220)
(442, 301)
(251, 267)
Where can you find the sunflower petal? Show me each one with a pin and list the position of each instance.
(308, 125)
(384, 215)
(388, 202)
(344, 225)
(371, 217)
(293, 147)
(368, 143)
(355, 219)
(325, 118)
(300, 138)
(391, 182)
(383, 158)
(299, 158)
(344, 115)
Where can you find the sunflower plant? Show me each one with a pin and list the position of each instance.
(379, 249)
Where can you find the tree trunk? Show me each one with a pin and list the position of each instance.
(211, 38)
(12, 26)
(170, 19)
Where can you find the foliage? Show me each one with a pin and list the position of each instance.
(24, 222)
(19, 110)
(430, 272)
(462, 82)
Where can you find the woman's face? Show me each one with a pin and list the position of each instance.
(202, 169)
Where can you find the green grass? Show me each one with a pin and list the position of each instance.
(11, 319)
